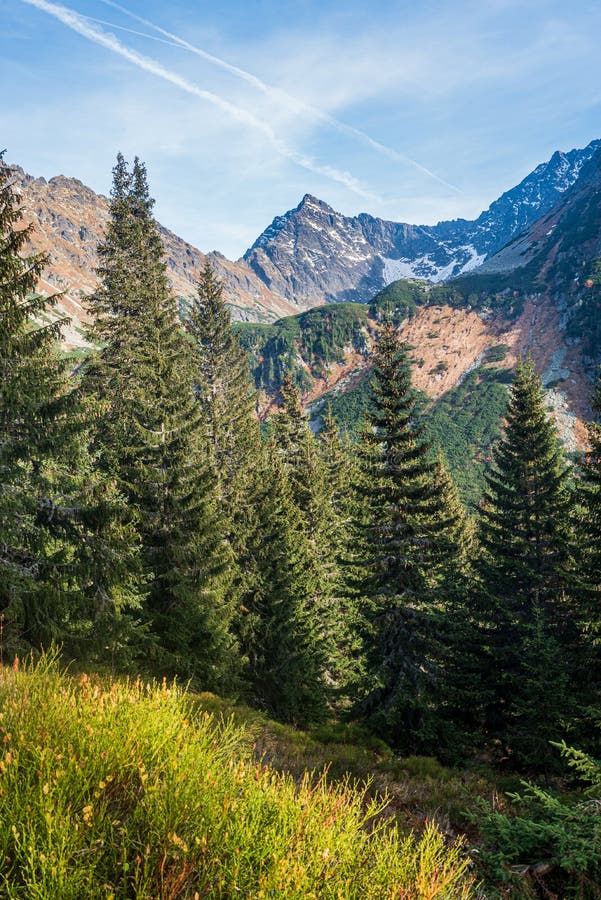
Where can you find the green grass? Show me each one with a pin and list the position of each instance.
(417, 788)
(118, 789)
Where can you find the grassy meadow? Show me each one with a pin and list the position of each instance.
(113, 788)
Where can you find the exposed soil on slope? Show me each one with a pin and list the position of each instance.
(448, 343)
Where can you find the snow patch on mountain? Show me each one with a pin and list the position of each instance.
(313, 254)
(465, 258)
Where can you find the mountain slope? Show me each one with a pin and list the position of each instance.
(69, 219)
(557, 244)
(313, 254)
(540, 295)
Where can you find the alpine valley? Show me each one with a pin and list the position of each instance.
(389, 632)
(472, 297)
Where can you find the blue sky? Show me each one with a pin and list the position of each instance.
(411, 111)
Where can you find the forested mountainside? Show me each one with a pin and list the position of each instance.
(462, 364)
(148, 524)
(539, 296)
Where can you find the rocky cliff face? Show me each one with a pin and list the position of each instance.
(69, 219)
(313, 254)
(557, 246)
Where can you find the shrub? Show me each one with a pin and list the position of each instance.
(550, 841)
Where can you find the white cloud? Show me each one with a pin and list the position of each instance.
(293, 104)
(76, 22)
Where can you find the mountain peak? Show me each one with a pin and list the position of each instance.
(309, 198)
(313, 253)
(310, 202)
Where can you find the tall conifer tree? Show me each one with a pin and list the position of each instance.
(227, 402)
(590, 523)
(524, 577)
(224, 388)
(588, 533)
(287, 656)
(306, 469)
(31, 380)
(63, 531)
(339, 555)
(405, 528)
(152, 439)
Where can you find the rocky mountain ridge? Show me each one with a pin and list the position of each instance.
(313, 254)
(561, 241)
(306, 257)
(539, 296)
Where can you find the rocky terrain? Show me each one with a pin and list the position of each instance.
(448, 343)
(69, 219)
(558, 244)
(313, 254)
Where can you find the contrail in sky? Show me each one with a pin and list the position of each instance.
(79, 24)
(293, 103)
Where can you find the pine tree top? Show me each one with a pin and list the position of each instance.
(20, 305)
(528, 461)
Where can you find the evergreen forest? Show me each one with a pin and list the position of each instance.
(151, 529)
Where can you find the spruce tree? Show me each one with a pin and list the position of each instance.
(457, 538)
(298, 451)
(227, 402)
(590, 519)
(339, 556)
(152, 439)
(286, 655)
(524, 602)
(312, 484)
(63, 531)
(405, 528)
(588, 534)
(223, 386)
(30, 382)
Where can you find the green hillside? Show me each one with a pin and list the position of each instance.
(476, 290)
(318, 337)
(466, 422)
(117, 789)
(314, 339)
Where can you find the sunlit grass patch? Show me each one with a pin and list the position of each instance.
(113, 788)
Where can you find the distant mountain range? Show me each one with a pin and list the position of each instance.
(313, 254)
(306, 257)
(69, 219)
(539, 295)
